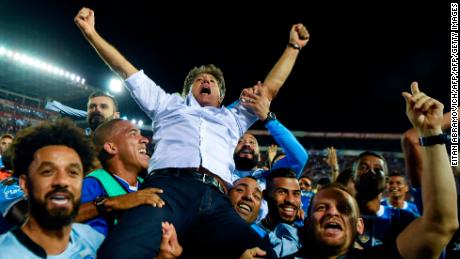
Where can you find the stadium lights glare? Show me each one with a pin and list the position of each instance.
(27, 60)
(139, 123)
(115, 85)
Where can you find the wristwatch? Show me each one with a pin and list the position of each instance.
(433, 140)
(270, 116)
(99, 202)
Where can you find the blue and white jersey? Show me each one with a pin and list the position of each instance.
(83, 244)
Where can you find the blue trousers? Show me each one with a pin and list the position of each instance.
(206, 223)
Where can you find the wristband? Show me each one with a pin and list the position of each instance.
(433, 140)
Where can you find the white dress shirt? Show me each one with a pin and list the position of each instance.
(186, 134)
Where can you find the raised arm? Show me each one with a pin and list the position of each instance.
(85, 21)
(298, 38)
(426, 236)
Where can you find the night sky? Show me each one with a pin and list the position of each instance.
(349, 78)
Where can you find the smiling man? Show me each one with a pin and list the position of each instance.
(283, 196)
(110, 191)
(246, 198)
(51, 160)
(195, 136)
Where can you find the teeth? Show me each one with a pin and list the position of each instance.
(59, 200)
(245, 207)
(143, 151)
(289, 209)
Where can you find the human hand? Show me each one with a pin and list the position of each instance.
(147, 196)
(424, 112)
(299, 35)
(331, 159)
(271, 153)
(169, 246)
(255, 98)
(85, 21)
(253, 253)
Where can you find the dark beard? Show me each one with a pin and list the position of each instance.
(369, 185)
(245, 164)
(94, 120)
(56, 218)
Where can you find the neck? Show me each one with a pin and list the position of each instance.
(127, 174)
(397, 202)
(52, 241)
(372, 206)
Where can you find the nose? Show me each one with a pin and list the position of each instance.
(60, 179)
(247, 195)
(332, 211)
(144, 140)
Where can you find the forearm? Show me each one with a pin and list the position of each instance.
(412, 156)
(111, 56)
(296, 155)
(280, 72)
(439, 191)
(86, 212)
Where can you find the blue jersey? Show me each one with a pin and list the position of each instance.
(90, 191)
(84, 242)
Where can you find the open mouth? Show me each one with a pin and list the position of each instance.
(247, 151)
(333, 227)
(244, 208)
(205, 90)
(59, 199)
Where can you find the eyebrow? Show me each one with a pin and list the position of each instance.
(52, 164)
(247, 186)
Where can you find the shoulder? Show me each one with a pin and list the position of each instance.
(9, 242)
(85, 233)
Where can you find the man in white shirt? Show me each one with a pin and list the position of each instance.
(194, 136)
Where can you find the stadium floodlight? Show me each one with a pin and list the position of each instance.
(140, 123)
(124, 118)
(133, 121)
(39, 64)
(115, 85)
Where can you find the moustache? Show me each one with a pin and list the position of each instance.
(60, 190)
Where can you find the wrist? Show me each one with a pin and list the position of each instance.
(270, 116)
(429, 132)
(294, 46)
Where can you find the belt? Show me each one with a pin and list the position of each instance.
(200, 174)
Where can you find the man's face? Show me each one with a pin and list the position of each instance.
(206, 90)
(5, 143)
(370, 179)
(53, 185)
(131, 146)
(246, 197)
(397, 186)
(246, 153)
(305, 184)
(284, 199)
(100, 109)
(334, 219)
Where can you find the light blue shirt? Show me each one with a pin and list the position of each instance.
(84, 242)
(186, 134)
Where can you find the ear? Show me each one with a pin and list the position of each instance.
(23, 184)
(110, 148)
(116, 115)
(360, 226)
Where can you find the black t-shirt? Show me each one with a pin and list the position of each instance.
(385, 251)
